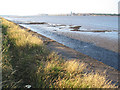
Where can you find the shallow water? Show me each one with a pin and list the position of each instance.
(87, 22)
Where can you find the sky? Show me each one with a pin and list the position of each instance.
(34, 7)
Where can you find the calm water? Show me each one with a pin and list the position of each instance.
(87, 22)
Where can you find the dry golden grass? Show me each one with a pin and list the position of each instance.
(74, 66)
(96, 81)
(20, 36)
(77, 78)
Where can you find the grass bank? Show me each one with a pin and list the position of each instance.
(27, 62)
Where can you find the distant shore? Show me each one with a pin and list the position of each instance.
(81, 14)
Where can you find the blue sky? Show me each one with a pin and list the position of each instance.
(33, 7)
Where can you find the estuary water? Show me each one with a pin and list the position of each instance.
(87, 22)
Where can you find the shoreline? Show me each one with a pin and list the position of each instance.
(96, 39)
(102, 46)
(30, 45)
(69, 53)
(102, 38)
(86, 43)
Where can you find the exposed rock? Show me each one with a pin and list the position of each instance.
(75, 30)
(75, 27)
(61, 25)
(37, 23)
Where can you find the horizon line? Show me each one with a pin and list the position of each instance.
(53, 14)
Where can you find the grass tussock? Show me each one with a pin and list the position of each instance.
(26, 61)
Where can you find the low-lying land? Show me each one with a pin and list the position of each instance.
(26, 62)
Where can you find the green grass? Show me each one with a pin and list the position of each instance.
(26, 61)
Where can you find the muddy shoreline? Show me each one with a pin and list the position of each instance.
(103, 49)
(70, 54)
(77, 33)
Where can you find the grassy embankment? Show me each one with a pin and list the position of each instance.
(26, 61)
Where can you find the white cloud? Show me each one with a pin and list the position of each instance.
(27, 7)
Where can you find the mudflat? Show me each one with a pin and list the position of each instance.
(101, 41)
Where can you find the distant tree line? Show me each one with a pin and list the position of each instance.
(106, 14)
